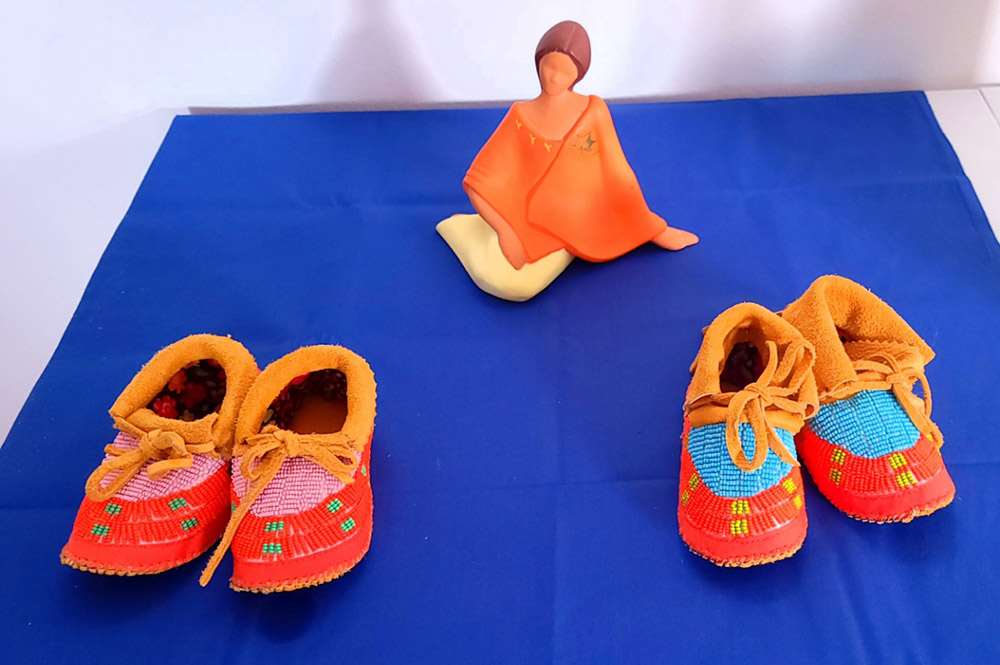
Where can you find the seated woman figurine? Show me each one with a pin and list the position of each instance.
(551, 184)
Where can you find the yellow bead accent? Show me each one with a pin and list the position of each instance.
(738, 527)
(838, 456)
(789, 485)
(797, 500)
(906, 479)
(741, 507)
(897, 460)
(836, 475)
(685, 497)
(532, 137)
(518, 123)
(693, 481)
(548, 147)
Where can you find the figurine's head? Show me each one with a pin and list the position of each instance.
(562, 57)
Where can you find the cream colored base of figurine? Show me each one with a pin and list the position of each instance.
(476, 246)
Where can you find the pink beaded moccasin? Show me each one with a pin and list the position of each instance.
(160, 497)
(302, 496)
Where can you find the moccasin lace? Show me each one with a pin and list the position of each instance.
(261, 457)
(889, 366)
(163, 449)
(775, 388)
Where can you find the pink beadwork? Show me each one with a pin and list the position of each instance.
(141, 487)
(298, 487)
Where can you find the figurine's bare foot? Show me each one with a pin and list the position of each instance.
(675, 239)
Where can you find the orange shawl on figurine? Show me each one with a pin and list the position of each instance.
(578, 193)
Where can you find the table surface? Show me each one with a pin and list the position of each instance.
(62, 205)
(526, 456)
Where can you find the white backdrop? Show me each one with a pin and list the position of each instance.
(88, 88)
(71, 68)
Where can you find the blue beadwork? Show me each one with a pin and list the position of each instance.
(869, 424)
(707, 445)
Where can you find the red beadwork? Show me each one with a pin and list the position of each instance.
(314, 544)
(894, 487)
(149, 536)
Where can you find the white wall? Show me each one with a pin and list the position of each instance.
(84, 86)
(989, 62)
(70, 68)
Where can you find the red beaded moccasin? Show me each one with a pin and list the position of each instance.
(302, 496)
(160, 497)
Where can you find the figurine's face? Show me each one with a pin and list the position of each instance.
(556, 73)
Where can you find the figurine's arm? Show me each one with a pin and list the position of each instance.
(497, 156)
(510, 245)
(619, 167)
(671, 237)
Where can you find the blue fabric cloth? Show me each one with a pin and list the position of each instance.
(526, 456)
(710, 456)
(870, 424)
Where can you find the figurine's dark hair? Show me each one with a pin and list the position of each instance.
(570, 38)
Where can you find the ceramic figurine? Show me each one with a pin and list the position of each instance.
(551, 184)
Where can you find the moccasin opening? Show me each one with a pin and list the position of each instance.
(313, 403)
(193, 392)
(744, 365)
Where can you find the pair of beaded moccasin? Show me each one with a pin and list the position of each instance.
(829, 381)
(275, 463)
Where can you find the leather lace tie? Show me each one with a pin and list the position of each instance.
(775, 388)
(261, 457)
(896, 367)
(165, 450)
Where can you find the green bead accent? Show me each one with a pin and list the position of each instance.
(178, 503)
(334, 505)
(364, 471)
(348, 524)
(232, 506)
(274, 526)
(113, 509)
(100, 530)
(272, 548)
(189, 523)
